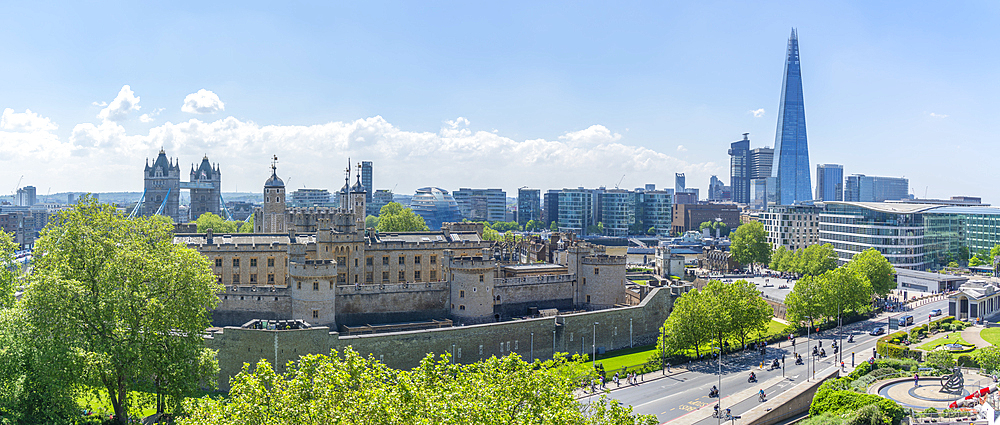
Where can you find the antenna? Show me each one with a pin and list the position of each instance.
(274, 165)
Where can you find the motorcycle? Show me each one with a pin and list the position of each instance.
(713, 393)
(774, 365)
(822, 353)
(850, 338)
(752, 378)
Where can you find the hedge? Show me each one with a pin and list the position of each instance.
(887, 347)
(841, 402)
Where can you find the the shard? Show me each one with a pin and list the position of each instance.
(791, 150)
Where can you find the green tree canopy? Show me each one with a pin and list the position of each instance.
(127, 306)
(715, 225)
(220, 225)
(394, 217)
(717, 312)
(345, 388)
(749, 244)
(872, 266)
(371, 222)
(554, 226)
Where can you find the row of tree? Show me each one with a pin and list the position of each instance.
(812, 260)
(850, 287)
(394, 217)
(220, 225)
(713, 315)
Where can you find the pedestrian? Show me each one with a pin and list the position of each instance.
(668, 367)
(916, 380)
(617, 383)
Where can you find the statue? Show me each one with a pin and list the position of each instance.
(954, 383)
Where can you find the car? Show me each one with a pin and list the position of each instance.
(936, 312)
(877, 331)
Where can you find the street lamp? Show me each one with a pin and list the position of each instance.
(719, 395)
(808, 342)
(630, 333)
(594, 347)
(532, 347)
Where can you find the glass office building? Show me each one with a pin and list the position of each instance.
(436, 206)
(739, 171)
(791, 150)
(829, 182)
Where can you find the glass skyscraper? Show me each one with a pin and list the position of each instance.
(739, 170)
(791, 151)
(829, 182)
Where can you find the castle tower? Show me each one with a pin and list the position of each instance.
(357, 200)
(271, 217)
(472, 292)
(312, 288)
(205, 199)
(162, 181)
(602, 281)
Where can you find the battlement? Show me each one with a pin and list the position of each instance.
(602, 259)
(387, 288)
(534, 280)
(472, 262)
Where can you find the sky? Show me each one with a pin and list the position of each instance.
(484, 95)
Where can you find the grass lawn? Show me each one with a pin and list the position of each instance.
(631, 357)
(100, 405)
(991, 335)
(952, 338)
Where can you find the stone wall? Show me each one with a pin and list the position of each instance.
(532, 338)
(391, 303)
(238, 307)
(517, 294)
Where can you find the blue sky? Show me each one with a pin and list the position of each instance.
(508, 95)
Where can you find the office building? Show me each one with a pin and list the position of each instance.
(829, 182)
(679, 182)
(576, 210)
(791, 149)
(715, 189)
(481, 204)
(380, 198)
(862, 188)
(650, 187)
(792, 226)
(618, 211)
(529, 205)
(760, 162)
(657, 211)
(436, 206)
(25, 196)
(690, 216)
(310, 198)
(739, 171)
(550, 207)
(366, 181)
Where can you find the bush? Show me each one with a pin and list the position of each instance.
(941, 360)
(966, 360)
(847, 402)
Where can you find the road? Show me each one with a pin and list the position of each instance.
(674, 396)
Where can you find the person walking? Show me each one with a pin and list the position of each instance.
(916, 380)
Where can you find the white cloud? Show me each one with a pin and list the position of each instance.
(150, 117)
(933, 115)
(202, 102)
(757, 113)
(26, 122)
(681, 148)
(460, 121)
(101, 104)
(118, 109)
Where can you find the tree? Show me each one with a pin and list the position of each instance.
(871, 265)
(715, 225)
(940, 359)
(554, 226)
(247, 226)
(490, 234)
(817, 259)
(988, 359)
(805, 302)
(371, 222)
(685, 327)
(597, 229)
(394, 217)
(844, 289)
(750, 313)
(749, 244)
(346, 388)
(651, 231)
(220, 225)
(777, 258)
(130, 303)
(532, 226)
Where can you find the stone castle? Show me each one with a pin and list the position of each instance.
(323, 267)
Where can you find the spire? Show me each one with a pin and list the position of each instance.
(791, 149)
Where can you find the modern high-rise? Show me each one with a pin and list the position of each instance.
(762, 185)
(657, 211)
(380, 198)
(366, 181)
(618, 209)
(481, 204)
(679, 182)
(310, 198)
(739, 170)
(529, 205)
(716, 189)
(25, 197)
(551, 206)
(576, 210)
(760, 162)
(862, 188)
(436, 206)
(791, 149)
(829, 182)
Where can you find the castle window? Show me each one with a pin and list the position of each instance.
(385, 276)
(461, 294)
(385, 261)
(596, 271)
(299, 285)
(498, 298)
(480, 278)
(402, 275)
(434, 275)
(368, 277)
(218, 278)
(315, 314)
(331, 285)
(218, 262)
(461, 307)
(416, 260)
(315, 286)
(402, 260)
(369, 261)
(584, 281)
(588, 299)
(355, 278)
(270, 278)
(236, 278)
(342, 261)
(253, 262)
(341, 278)
(416, 275)
(253, 277)
(236, 262)
(434, 259)
(355, 262)
(270, 262)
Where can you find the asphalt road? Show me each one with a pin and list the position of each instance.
(674, 396)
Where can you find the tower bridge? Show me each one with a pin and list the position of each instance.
(163, 185)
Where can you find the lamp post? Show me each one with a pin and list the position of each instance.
(630, 333)
(553, 344)
(594, 347)
(808, 343)
(720, 384)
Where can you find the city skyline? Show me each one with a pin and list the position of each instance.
(550, 104)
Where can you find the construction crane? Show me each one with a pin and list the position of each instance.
(13, 192)
(619, 181)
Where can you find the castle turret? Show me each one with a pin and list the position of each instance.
(271, 217)
(162, 188)
(472, 287)
(206, 190)
(602, 281)
(311, 286)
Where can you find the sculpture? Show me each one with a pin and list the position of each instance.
(954, 383)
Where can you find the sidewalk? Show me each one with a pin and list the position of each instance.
(971, 335)
(644, 378)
